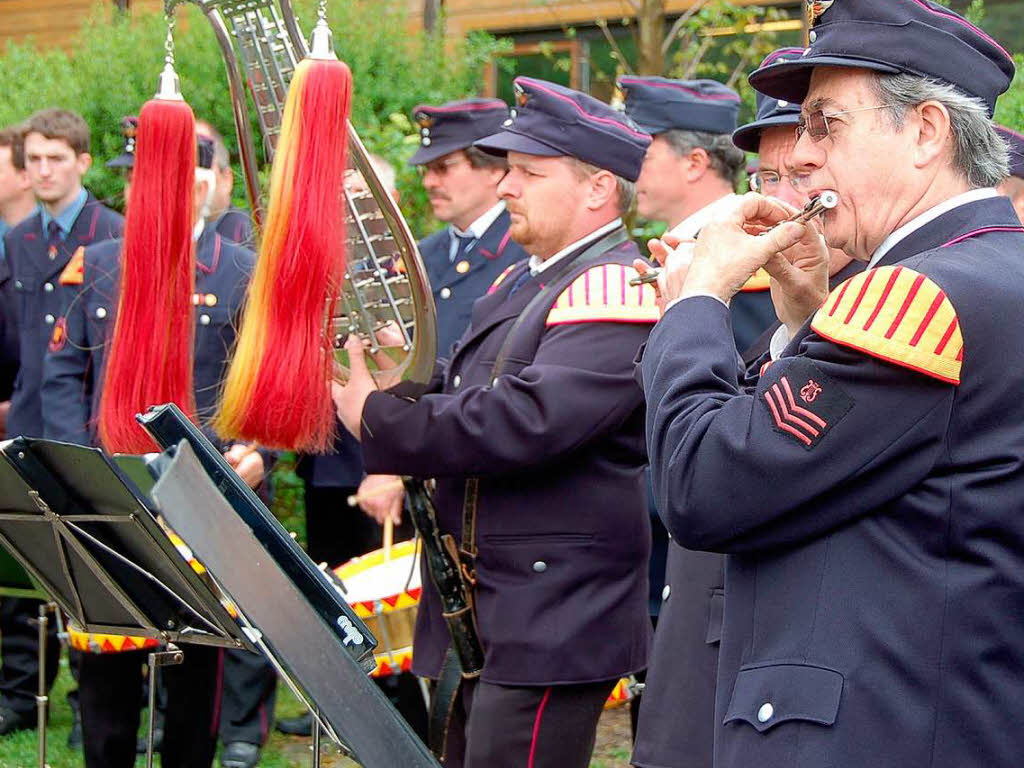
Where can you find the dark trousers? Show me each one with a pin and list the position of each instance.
(110, 686)
(248, 696)
(19, 649)
(336, 532)
(498, 726)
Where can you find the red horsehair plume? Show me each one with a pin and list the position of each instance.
(150, 353)
(277, 390)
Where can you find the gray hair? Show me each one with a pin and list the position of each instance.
(979, 154)
(727, 160)
(626, 188)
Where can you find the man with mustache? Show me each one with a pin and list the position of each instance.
(866, 487)
(461, 180)
(534, 433)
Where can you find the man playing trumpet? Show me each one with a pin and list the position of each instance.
(866, 488)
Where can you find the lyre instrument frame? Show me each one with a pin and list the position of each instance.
(269, 47)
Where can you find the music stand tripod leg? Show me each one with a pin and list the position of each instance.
(316, 738)
(42, 699)
(173, 655)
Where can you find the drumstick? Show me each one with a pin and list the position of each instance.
(389, 537)
(355, 499)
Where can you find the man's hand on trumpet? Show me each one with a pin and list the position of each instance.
(381, 497)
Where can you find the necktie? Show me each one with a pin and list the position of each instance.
(459, 244)
(53, 239)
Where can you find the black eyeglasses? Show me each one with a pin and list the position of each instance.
(815, 124)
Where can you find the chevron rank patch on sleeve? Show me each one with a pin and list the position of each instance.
(803, 403)
(897, 315)
(74, 272)
(603, 294)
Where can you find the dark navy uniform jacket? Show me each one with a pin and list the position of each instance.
(684, 659)
(457, 284)
(867, 492)
(74, 367)
(557, 445)
(8, 333)
(40, 299)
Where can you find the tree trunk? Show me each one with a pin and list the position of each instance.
(431, 14)
(650, 22)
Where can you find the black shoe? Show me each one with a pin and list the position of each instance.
(158, 741)
(296, 726)
(75, 734)
(239, 754)
(11, 721)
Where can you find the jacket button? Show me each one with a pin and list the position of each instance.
(446, 293)
(540, 566)
(48, 287)
(204, 319)
(456, 380)
(101, 312)
(49, 319)
(494, 381)
(764, 714)
(18, 284)
(813, 36)
(666, 592)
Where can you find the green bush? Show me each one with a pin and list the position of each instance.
(113, 65)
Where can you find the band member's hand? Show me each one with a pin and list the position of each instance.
(642, 266)
(350, 398)
(390, 336)
(728, 251)
(381, 497)
(5, 408)
(247, 463)
(799, 283)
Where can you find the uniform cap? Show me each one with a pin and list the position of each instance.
(658, 104)
(771, 113)
(455, 125)
(551, 120)
(916, 37)
(130, 129)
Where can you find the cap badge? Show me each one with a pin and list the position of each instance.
(815, 9)
(423, 120)
(462, 267)
(521, 96)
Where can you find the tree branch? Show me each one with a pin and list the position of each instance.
(603, 26)
(678, 24)
(748, 54)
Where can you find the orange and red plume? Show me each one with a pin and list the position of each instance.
(277, 390)
(149, 358)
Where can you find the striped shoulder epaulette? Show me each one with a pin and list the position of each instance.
(759, 281)
(74, 272)
(603, 293)
(897, 315)
(501, 278)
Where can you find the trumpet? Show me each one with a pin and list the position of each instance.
(816, 206)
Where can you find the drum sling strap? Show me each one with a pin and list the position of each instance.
(451, 676)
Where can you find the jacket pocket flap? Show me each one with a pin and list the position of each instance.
(769, 694)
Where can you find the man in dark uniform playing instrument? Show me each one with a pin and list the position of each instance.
(684, 657)
(111, 673)
(38, 250)
(866, 487)
(691, 171)
(534, 435)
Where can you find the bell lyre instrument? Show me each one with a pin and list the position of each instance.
(385, 284)
(816, 206)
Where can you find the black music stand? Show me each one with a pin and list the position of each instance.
(300, 618)
(90, 539)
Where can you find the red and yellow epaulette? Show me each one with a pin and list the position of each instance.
(501, 278)
(897, 315)
(759, 281)
(603, 294)
(74, 272)
(88, 642)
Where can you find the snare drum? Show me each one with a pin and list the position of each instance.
(385, 594)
